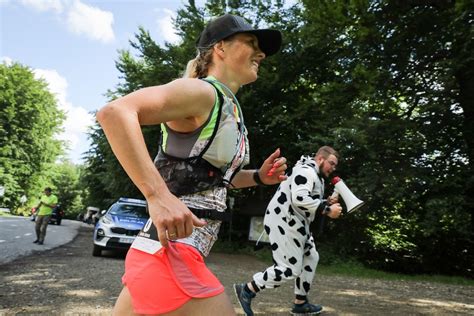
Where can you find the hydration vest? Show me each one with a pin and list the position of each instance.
(203, 170)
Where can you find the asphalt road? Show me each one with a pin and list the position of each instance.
(18, 233)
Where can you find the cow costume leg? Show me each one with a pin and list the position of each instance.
(288, 238)
(309, 264)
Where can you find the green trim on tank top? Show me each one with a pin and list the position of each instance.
(232, 95)
(164, 135)
(207, 130)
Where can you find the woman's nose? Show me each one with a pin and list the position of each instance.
(260, 54)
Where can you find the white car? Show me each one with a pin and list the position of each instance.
(119, 225)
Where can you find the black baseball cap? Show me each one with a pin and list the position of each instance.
(224, 26)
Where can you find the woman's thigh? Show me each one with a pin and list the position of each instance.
(218, 305)
(123, 305)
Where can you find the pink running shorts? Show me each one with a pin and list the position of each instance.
(166, 280)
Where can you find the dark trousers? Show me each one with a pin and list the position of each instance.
(41, 225)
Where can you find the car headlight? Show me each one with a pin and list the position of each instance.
(100, 232)
(106, 220)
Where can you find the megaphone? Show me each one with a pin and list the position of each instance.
(352, 202)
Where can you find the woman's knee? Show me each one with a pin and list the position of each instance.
(218, 305)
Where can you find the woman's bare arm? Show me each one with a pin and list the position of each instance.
(121, 119)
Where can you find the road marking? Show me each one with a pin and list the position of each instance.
(2, 240)
(17, 237)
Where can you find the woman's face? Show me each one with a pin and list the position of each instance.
(244, 57)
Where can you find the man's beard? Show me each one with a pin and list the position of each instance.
(320, 167)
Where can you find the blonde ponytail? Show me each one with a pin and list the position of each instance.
(199, 66)
(190, 71)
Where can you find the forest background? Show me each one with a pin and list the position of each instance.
(389, 84)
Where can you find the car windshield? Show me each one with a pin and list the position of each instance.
(129, 210)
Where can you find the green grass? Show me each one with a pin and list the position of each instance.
(358, 270)
(350, 268)
(2, 213)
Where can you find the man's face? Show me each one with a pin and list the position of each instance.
(48, 193)
(327, 165)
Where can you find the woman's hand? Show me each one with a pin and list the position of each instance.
(273, 169)
(172, 218)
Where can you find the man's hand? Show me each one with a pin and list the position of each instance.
(333, 199)
(172, 218)
(273, 169)
(335, 211)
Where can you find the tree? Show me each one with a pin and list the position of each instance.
(103, 177)
(397, 116)
(65, 178)
(29, 121)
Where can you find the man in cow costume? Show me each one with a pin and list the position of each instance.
(287, 222)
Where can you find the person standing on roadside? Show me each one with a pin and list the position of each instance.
(48, 202)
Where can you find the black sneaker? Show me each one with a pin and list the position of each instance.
(40, 242)
(36, 241)
(306, 309)
(245, 298)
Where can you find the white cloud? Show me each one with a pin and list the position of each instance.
(75, 127)
(77, 119)
(56, 83)
(80, 18)
(6, 60)
(91, 21)
(166, 27)
(44, 5)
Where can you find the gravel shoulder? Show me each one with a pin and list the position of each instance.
(69, 281)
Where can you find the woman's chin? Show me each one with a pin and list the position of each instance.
(252, 78)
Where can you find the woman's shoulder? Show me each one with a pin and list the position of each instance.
(193, 85)
(190, 93)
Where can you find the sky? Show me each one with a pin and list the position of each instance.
(73, 45)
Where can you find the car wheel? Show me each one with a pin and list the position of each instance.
(97, 251)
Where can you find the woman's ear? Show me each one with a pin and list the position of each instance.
(219, 48)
